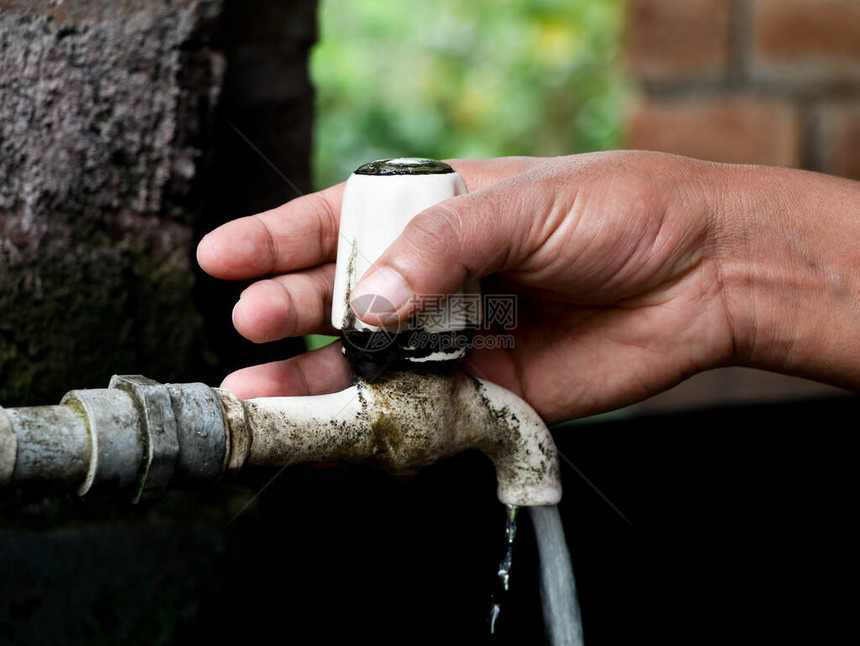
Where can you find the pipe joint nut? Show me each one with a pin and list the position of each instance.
(159, 432)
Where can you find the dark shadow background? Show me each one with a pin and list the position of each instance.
(739, 530)
(737, 527)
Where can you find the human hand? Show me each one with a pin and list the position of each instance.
(618, 261)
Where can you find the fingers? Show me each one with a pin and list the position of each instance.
(319, 372)
(304, 232)
(465, 237)
(301, 233)
(288, 305)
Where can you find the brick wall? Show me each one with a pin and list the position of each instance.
(750, 81)
(773, 82)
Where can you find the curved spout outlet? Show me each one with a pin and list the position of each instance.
(138, 437)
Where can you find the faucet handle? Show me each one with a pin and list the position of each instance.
(379, 200)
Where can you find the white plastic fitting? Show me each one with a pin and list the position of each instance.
(404, 422)
(379, 200)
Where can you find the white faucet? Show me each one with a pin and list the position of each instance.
(409, 405)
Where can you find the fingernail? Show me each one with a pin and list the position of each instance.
(382, 292)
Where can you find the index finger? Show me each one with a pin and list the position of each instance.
(299, 234)
(304, 232)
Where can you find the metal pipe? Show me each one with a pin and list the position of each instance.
(51, 446)
(132, 439)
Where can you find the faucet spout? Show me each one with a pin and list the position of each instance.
(405, 421)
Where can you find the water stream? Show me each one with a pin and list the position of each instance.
(504, 573)
(562, 620)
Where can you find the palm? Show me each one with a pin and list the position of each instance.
(575, 361)
(590, 303)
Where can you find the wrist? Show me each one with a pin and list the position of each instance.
(789, 268)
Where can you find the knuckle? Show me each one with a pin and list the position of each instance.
(328, 226)
(269, 246)
(436, 234)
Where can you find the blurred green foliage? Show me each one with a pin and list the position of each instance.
(464, 78)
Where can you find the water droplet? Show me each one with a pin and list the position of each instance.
(510, 535)
(504, 572)
(494, 614)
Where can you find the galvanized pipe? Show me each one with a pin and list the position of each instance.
(132, 439)
(51, 444)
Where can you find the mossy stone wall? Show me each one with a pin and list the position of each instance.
(106, 112)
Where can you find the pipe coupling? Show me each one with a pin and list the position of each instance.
(134, 438)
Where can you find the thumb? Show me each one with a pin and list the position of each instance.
(465, 237)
